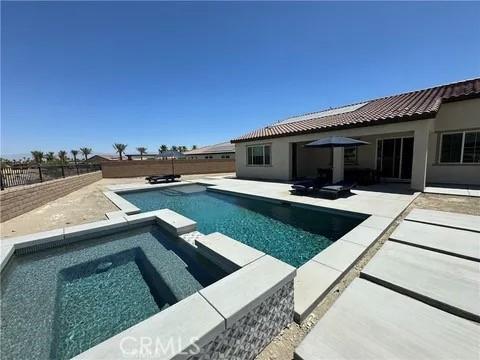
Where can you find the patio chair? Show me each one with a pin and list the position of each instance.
(308, 186)
(153, 179)
(336, 190)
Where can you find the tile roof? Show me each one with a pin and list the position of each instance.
(415, 105)
(225, 147)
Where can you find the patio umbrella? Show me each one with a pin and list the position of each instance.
(336, 142)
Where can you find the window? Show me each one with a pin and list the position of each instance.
(461, 147)
(471, 147)
(350, 155)
(259, 155)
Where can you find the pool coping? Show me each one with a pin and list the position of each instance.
(217, 309)
(318, 276)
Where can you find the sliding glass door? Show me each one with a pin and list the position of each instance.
(395, 157)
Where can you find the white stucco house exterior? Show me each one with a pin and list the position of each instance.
(424, 136)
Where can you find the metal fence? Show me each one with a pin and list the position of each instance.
(27, 174)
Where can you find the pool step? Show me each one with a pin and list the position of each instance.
(170, 192)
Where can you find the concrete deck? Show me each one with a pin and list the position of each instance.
(382, 200)
(371, 322)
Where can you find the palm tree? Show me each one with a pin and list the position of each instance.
(86, 151)
(74, 154)
(120, 149)
(163, 148)
(50, 156)
(174, 148)
(62, 155)
(194, 147)
(37, 156)
(142, 150)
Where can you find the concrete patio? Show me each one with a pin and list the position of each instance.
(418, 286)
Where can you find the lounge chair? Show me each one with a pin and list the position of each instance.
(153, 179)
(340, 188)
(307, 186)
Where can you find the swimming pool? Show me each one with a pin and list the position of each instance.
(291, 234)
(59, 302)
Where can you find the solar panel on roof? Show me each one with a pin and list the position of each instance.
(320, 114)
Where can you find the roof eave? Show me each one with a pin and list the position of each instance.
(414, 117)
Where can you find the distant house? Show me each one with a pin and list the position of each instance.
(141, 157)
(162, 155)
(424, 136)
(224, 150)
(97, 159)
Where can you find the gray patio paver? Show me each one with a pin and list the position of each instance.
(311, 284)
(448, 240)
(444, 281)
(341, 255)
(443, 218)
(377, 222)
(363, 235)
(226, 252)
(369, 321)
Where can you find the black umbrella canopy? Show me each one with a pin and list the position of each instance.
(336, 141)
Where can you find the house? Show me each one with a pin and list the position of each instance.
(424, 136)
(97, 159)
(141, 157)
(224, 150)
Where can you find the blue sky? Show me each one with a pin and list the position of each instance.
(95, 73)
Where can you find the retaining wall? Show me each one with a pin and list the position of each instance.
(20, 199)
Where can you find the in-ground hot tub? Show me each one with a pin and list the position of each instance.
(60, 302)
(99, 290)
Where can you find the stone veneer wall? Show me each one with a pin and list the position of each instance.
(20, 199)
(249, 335)
(133, 168)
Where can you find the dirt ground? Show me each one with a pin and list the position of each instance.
(283, 346)
(82, 206)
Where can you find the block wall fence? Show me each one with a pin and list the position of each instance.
(133, 168)
(20, 199)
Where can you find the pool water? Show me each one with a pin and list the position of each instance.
(59, 302)
(291, 234)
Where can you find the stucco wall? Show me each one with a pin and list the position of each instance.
(281, 149)
(117, 169)
(460, 115)
(18, 200)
